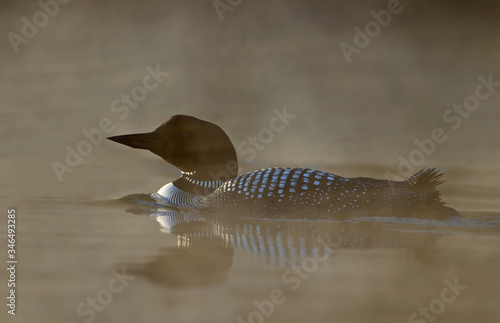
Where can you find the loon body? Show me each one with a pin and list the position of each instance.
(209, 181)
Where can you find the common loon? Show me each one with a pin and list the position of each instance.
(207, 159)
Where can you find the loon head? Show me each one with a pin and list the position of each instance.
(192, 145)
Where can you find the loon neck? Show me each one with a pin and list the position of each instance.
(202, 182)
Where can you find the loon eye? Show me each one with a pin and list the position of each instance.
(184, 136)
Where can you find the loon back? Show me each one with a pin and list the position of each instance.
(207, 159)
(303, 191)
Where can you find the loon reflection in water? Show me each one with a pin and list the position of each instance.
(206, 244)
(209, 181)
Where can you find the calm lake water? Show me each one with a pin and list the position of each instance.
(89, 246)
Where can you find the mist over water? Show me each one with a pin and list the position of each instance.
(234, 72)
(387, 107)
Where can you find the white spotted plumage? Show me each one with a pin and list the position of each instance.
(284, 190)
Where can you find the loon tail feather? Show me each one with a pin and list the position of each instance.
(426, 180)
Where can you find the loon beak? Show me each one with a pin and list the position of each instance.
(147, 140)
